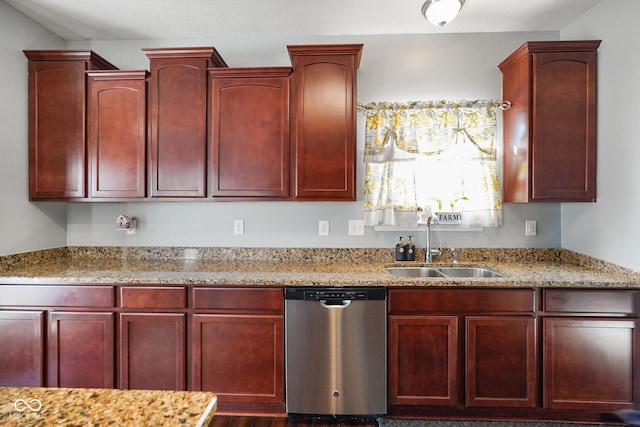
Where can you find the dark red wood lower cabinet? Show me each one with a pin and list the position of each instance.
(423, 354)
(152, 351)
(589, 363)
(500, 361)
(81, 350)
(239, 357)
(21, 348)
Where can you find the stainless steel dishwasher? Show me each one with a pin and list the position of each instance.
(336, 350)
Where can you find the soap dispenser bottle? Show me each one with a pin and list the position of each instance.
(400, 251)
(410, 250)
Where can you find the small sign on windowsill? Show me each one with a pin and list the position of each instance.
(449, 218)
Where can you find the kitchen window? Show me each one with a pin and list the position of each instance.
(428, 157)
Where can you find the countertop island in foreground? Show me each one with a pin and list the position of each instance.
(40, 406)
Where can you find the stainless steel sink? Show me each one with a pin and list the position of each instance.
(443, 272)
(469, 272)
(415, 272)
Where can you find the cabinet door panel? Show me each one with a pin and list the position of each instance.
(178, 120)
(501, 361)
(22, 344)
(564, 117)
(117, 134)
(239, 357)
(250, 133)
(152, 351)
(57, 146)
(81, 350)
(590, 364)
(423, 360)
(324, 126)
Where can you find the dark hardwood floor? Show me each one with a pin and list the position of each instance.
(229, 421)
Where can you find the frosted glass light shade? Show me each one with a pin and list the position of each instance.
(441, 12)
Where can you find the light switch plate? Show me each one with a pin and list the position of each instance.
(356, 227)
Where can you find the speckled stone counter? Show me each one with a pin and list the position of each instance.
(36, 406)
(303, 267)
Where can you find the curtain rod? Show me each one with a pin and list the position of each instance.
(372, 106)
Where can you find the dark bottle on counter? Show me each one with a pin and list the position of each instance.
(401, 254)
(410, 250)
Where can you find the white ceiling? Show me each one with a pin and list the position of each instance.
(184, 19)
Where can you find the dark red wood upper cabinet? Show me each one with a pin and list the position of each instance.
(249, 132)
(323, 103)
(57, 121)
(117, 133)
(177, 97)
(550, 129)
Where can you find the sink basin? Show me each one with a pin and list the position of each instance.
(443, 272)
(415, 272)
(469, 272)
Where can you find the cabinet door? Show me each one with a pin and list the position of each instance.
(239, 357)
(590, 364)
(501, 361)
(117, 133)
(178, 120)
(324, 121)
(56, 128)
(250, 132)
(564, 126)
(81, 350)
(423, 360)
(22, 344)
(152, 351)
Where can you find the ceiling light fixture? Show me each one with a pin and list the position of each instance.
(441, 12)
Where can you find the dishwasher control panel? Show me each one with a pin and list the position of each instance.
(351, 293)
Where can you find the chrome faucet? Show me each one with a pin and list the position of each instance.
(429, 253)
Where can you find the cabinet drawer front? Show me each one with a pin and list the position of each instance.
(57, 296)
(591, 301)
(236, 300)
(408, 301)
(153, 297)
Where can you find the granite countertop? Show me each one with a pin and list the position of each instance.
(45, 406)
(273, 267)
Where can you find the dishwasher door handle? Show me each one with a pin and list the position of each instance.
(335, 303)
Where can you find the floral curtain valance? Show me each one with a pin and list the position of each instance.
(431, 156)
(397, 131)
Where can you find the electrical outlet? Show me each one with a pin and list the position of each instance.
(356, 227)
(530, 227)
(238, 227)
(323, 228)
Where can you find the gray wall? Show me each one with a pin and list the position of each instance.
(24, 226)
(608, 229)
